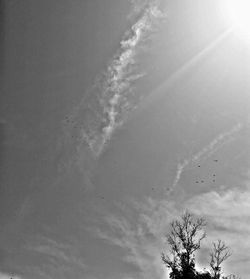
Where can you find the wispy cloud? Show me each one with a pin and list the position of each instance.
(108, 102)
(207, 151)
(180, 169)
(216, 143)
(137, 6)
(227, 212)
(62, 258)
(8, 276)
(141, 234)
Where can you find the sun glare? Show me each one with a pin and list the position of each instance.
(237, 13)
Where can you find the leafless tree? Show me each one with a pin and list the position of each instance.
(184, 239)
(218, 255)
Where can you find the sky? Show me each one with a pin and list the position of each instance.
(116, 117)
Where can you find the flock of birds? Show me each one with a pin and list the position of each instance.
(197, 181)
(68, 120)
(213, 177)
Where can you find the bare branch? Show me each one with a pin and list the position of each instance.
(218, 255)
(184, 239)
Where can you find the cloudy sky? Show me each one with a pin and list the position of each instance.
(116, 116)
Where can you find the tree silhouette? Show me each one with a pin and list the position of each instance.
(184, 240)
(219, 254)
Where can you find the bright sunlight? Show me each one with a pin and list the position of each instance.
(237, 13)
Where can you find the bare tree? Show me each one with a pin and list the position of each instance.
(218, 255)
(184, 239)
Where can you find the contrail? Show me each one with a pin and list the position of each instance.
(215, 144)
(180, 169)
(207, 151)
(107, 103)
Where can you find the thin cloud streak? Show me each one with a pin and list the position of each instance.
(180, 169)
(61, 258)
(138, 6)
(110, 99)
(207, 151)
(217, 143)
(141, 239)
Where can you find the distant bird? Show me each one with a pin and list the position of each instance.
(101, 197)
(216, 160)
(202, 181)
(214, 174)
(199, 166)
(196, 181)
